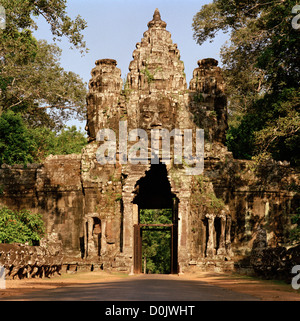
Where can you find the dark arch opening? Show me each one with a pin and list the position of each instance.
(157, 229)
(154, 189)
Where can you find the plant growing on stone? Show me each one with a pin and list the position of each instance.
(203, 193)
(126, 91)
(198, 98)
(148, 75)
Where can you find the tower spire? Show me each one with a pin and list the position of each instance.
(156, 21)
(156, 15)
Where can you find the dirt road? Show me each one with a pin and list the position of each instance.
(99, 286)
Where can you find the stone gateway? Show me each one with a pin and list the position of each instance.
(95, 210)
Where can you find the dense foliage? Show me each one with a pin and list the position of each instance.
(20, 227)
(156, 242)
(20, 144)
(262, 70)
(37, 96)
(32, 82)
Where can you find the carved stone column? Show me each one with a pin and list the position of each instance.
(182, 234)
(128, 226)
(103, 237)
(85, 235)
(227, 233)
(221, 249)
(88, 236)
(210, 250)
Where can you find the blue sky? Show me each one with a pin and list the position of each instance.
(115, 26)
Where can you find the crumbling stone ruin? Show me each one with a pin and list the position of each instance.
(95, 209)
(24, 261)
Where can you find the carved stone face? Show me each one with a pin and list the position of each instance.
(157, 114)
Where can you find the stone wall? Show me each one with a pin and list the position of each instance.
(24, 261)
(273, 262)
(52, 189)
(86, 205)
(79, 200)
(101, 227)
(230, 202)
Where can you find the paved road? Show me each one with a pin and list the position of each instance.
(138, 288)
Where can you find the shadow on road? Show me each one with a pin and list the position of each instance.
(138, 288)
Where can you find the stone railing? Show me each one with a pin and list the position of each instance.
(24, 261)
(276, 262)
(273, 262)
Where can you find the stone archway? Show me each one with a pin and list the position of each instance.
(153, 195)
(132, 203)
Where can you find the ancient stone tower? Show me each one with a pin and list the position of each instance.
(95, 208)
(155, 96)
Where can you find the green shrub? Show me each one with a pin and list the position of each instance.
(20, 226)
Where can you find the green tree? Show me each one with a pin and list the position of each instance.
(156, 243)
(156, 216)
(41, 91)
(20, 227)
(157, 250)
(21, 145)
(31, 80)
(261, 66)
(16, 145)
(68, 141)
(20, 15)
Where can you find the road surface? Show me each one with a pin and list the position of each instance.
(138, 288)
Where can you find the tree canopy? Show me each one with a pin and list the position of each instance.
(32, 82)
(20, 144)
(37, 96)
(261, 66)
(156, 242)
